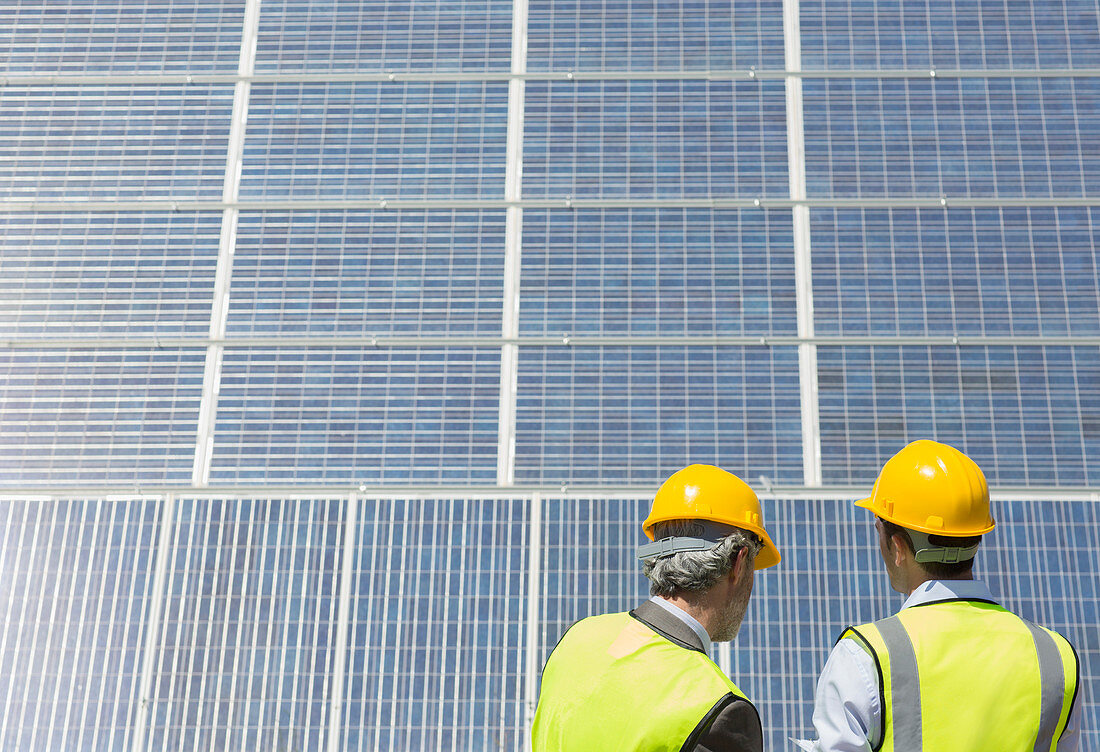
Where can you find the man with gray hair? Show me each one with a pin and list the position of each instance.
(643, 680)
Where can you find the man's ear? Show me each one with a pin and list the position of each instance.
(742, 563)
(899, 549)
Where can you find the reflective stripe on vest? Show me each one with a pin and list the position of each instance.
(612, 683)
(1010, 676)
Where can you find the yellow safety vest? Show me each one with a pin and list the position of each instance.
(969, 676)
(612, 683)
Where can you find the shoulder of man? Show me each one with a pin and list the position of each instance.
(732, 725)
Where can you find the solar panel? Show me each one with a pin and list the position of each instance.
(651, 35)
(107, 143)
(98, 417)
(1004, 137)
(119, 36)
(949, 34)
(76, 584)
(618, 415)
(1027, 415)
(357, 416)
(368, 273)
(438, 625)
(244, 653)
(398, 35)
(654, 139)
(657, 272)
(956, 272)
(140, 273)
(374, 141)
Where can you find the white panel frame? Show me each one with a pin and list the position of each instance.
(219, 310)
(803, 268)
(513, 248)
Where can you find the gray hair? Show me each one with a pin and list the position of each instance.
(694, 571)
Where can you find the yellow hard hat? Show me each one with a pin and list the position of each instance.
(932, 488)
(706, 492)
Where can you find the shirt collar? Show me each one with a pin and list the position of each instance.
(686, 618)
(948, 590)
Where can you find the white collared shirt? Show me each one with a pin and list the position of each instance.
(846, 708)
(686, 618)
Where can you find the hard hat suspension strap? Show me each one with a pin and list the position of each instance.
(926, 551)
(705, 535)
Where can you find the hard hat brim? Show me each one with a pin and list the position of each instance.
(869, 504)
(769, 554)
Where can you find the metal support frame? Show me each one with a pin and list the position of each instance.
(513, 249)
(534, 597)
(343, 618)
(401, 77)
(608, 491)
(152, 624)
(418, 341)
(550, 203)
(219, 310)
(803, 265)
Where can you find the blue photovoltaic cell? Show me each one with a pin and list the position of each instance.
(96, 142)
(353, 415)
(367, 273)
(438, 625)
(655, 139)
(666, 272)
(75, 579)
(1009, 271)
(1026, 415)
(853, 34)
(369, 141)
(396, 35)
(245, 651)
(646, 35)
(1039, 560)
(637, 414)
(71, 417)
(109, 274)
(1010, 137)
(120, 36)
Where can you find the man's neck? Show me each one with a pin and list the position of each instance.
(922, 577)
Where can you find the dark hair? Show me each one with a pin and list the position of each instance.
(935, 569)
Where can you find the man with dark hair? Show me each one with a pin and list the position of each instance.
(643, 680)
(953, 671)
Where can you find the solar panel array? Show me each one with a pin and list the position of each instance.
(343, 344)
